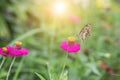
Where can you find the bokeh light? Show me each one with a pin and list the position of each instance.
(59, 8)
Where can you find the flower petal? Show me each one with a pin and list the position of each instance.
(64, 45)
(74, 48)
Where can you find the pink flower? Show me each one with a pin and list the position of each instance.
(70, 45)
(75, 18)
(18, 50)
(6, 51)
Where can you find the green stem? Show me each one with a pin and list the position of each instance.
(64, 65)
(10, 68)
(49, 71)
(18, 69)
(116, 75)
(23, 36)
(2, 62)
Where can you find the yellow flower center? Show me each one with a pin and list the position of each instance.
(4, 49)
(71, 40)
(18, 43)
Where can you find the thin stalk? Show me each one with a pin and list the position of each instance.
(18, 69)
(10, 68)
(49, 71)
(2, 62)
(64, 65)
(32, 32)
(117, 75)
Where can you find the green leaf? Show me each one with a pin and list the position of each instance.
(40, 76)
(93, 67)
(3, 28)
(64, 76)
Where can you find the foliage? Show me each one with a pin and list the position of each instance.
(31, 22)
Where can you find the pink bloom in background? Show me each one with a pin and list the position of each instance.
(17, 50)
(70, 45)
(74, 18)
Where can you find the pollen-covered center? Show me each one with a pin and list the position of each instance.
(5, 49)
(71, 40)
(18, 43)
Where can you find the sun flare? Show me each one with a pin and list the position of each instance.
(59, 8)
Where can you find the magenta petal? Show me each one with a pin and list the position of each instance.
(70, 48)
(15, 52)
(9, 48)
(0, 50)
(74, 48)
(24, 51)
(20, 52)
(64, 45)
(9, 54)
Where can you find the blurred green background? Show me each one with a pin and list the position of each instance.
(43, 24)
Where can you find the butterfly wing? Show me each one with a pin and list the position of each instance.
(85, 31)
(82, 34)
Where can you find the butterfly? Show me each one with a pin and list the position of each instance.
(85, 32)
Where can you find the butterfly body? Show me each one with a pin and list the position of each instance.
(85, 32)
